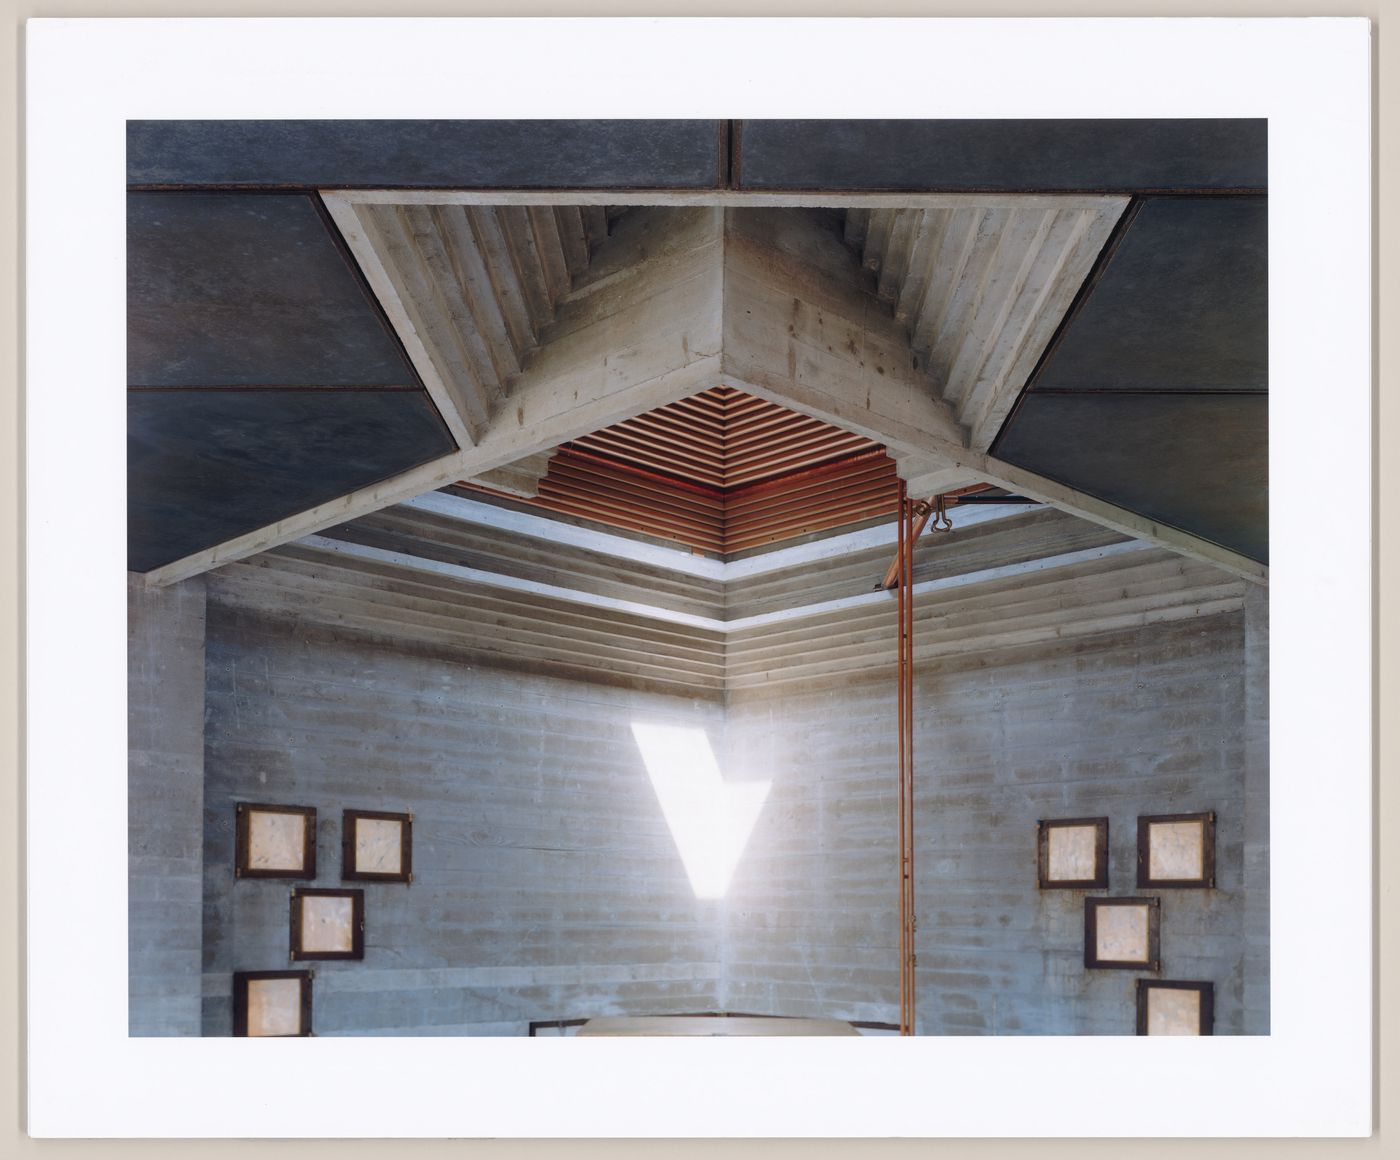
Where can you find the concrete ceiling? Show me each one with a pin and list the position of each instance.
(1074, 310)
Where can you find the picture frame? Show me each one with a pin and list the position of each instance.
(265, 1004)
(327, 924)
(1170, 1006)
(376, 846)
(1072, 854)
(1176, 851)
(274, 841)
(1122, 934)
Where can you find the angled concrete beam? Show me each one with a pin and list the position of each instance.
(520, 478)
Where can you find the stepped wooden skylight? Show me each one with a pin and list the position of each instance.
(722, 471)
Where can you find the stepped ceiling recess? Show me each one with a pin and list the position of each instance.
(727, 336)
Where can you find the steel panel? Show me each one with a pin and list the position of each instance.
(383, 154)
(1197, 462)
(236, 290)
(1181, 304)
(206, 466)
(1023, 156)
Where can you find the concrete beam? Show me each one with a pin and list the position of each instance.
(520, 478)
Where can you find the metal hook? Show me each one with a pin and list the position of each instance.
(942, 522)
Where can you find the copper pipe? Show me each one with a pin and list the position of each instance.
(903, 924)
(910, 912)
(894, 571)
(909, 515)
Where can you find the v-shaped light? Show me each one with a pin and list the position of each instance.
(710, 819)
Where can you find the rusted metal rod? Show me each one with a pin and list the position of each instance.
(910, 913)
(910, 515)
(898, 566)
(893, 572)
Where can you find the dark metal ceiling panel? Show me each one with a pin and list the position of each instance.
(206, 466)
(249, 290)
(1021, 156)
(1181, 303)
(427, 154)
(1197, 462)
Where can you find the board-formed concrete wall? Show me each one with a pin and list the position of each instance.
(546, 882)
(1150, 720)
(1114, 680)
(165, 737)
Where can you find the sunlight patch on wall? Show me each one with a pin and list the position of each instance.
(710, 819)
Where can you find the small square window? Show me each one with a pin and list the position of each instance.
(274, 841)
(328, 924)
(376, 847)
(1072, 854)
(1122, 933)
(1175, 1007)
(268, 1003)
(1176, 851)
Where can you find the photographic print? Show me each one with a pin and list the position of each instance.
(594, 480)
(723, 539)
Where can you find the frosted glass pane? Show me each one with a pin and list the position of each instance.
(1173, 1012)
(1122, 933)
(377, 846)
(1071, 853)
(1176, 850)
(276, 841)
(274, 1006)
(327, 924)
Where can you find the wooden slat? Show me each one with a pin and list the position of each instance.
(635, 494)
(675, 472)
(854, 471)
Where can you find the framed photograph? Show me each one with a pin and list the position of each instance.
(1122, 933)
(274, 841)
(1175, 1007)
(271, 1003)
(328, 924)
(376, 847)
(1176, 851)
(1072, 854)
